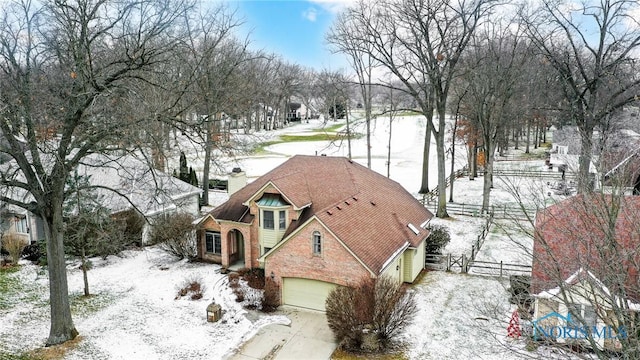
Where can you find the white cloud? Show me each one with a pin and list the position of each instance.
(310, 14)
(333, 6)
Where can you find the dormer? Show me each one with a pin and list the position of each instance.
(273, 220)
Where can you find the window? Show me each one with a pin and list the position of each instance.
(267, 219)
(317, 243)
(282, 220)
(587, 313)
(213, 242)
(21, 225)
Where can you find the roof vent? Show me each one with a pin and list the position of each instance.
(339, 208)
(329, 212)
(355, 198)
(413, 228)
(347, 202)
(323, 154)
(373, 203)
(236, 170)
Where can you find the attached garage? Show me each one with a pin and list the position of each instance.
(306, 293)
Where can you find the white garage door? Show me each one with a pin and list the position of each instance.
(310, 294)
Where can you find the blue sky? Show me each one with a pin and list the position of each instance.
(294, 29)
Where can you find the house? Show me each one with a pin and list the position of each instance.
(122, 183)
(585, 267)
(316, 222)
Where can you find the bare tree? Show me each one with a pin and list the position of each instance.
(64, 66)
(358, 53)
(420, 42)
(214, 56)
(592, 47)
(494, 66)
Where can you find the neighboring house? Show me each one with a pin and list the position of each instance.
(317, 222)
(615, 162)
(123, 184)
(585, 256)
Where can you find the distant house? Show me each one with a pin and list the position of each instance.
(314, 223)
(585, 265)
(615, 162)
(123, 184)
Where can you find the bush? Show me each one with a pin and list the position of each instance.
(192, 288)
(174, 234)
(13, 244)
(253, 277)
(239, 292)
(130, 225)
(271, 296)
(368, 316)
(438, 239)
(34, 252)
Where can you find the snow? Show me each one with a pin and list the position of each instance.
(134, 313)
(135, 306)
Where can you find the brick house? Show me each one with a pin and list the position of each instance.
(585, 266)
(316, 222)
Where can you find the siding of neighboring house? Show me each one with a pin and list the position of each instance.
(546, 306)
(295, 259)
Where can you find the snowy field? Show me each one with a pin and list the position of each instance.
(135, 306)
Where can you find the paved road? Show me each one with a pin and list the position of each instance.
(307, 337)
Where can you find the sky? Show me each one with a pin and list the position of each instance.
(293, 29)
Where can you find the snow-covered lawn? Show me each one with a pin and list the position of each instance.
(133, 312)
(461, 317)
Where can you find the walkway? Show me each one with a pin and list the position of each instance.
(307, 337)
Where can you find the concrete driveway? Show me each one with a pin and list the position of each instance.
(307, 337)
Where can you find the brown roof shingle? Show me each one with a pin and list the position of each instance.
(368, 212)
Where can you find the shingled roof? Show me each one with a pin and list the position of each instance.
(598, 233)
(373, 216)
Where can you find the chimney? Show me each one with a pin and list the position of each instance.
(237, 180)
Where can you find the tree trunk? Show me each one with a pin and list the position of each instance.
(528, 135)
(207, 164)
(348, 132)
(488, 177)
(440, 152)
(85, 277)
(389, 145)
(424, 185)
(452, 176)
(62, 328)
(470, 160)
(584, 161)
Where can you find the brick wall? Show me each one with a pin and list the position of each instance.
(295, 258)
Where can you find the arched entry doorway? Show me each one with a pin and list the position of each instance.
(235, 245)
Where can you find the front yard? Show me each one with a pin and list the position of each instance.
(133, 311)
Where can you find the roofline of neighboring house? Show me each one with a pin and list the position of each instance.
(573, 279)
(186, 195)
(262, 258)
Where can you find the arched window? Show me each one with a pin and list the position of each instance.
(317, 243)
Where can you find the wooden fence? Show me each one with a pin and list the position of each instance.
(498, 268)
(465, 265)
(497, 211)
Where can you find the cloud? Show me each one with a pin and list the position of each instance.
(310, 14)
(333, 6)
